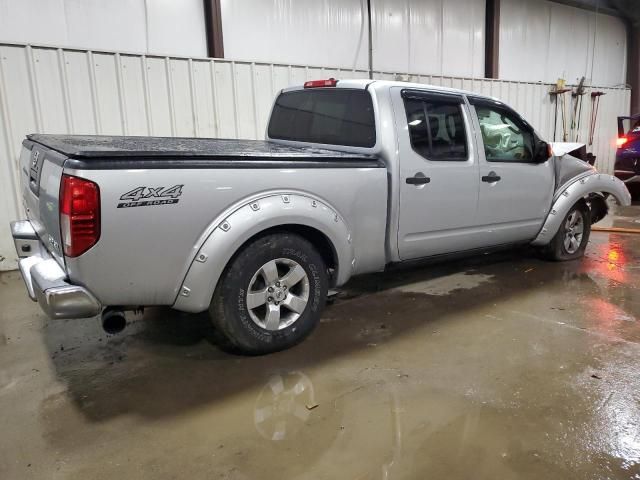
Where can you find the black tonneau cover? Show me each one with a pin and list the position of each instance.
(115, 152)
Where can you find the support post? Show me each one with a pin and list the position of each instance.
(492, 38)
(213, 28)
(370, 38)
(633, 66)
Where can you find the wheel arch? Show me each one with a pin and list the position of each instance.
(313, 235)
(582, 189)
(302, 214)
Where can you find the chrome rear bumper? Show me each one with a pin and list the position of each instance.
(46, 280)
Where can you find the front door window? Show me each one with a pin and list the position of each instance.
(505, 137)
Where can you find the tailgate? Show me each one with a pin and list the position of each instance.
(41, 172)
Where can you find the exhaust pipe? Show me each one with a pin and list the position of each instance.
(113, 320)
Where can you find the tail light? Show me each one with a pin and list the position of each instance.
(620, 141)
(331, 82)
(79, 215)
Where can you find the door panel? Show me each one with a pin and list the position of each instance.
(438, 175)
(513, 207)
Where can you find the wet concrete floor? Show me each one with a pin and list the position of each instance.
(498, 367)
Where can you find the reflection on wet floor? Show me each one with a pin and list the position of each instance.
(501, 366)
(284, 405)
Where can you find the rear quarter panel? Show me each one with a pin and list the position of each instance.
(144, 252)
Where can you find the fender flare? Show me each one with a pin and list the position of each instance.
(574, 192)
(229, 231)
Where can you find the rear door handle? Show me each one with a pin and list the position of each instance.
(492, 177)
(418, 179)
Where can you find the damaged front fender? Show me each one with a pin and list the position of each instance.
(572, 192)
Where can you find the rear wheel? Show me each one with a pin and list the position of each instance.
(572, 237)
(271, 295)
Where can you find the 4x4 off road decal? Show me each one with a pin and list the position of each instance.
(148, 196)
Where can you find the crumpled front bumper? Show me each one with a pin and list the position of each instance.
(46, 280)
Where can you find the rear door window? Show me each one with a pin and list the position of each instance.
(436, 127)
(333, 116)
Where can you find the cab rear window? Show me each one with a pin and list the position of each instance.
(333, 116)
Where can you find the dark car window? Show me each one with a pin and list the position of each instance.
(334, 116)
(436, 129)
(418, 128)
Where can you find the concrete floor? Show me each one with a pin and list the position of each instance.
(504, 366)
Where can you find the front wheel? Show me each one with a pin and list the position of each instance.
(271, 295)
(572, 237)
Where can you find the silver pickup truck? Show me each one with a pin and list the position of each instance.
(354, 176)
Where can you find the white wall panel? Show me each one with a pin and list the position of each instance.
(462, 39)
(108, 101)
(307, 32)
(111, 25)
(181, 97)
(50, 91)
(544, 41)
(391, 36)
(610, 55)
(176, 27)
(204, 106)
(81, 93)
(133, 95)
(570, 38)
(56, 90)
(157, 84)
(168, 27)
(33, 21)
(435, 36)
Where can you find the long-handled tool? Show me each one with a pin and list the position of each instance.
(559, 90)
(577, 108)
(595, 103)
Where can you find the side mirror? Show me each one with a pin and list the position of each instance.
(542, 151)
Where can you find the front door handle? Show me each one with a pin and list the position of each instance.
(419, 179)
(492, 177)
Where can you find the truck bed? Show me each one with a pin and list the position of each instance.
(91, 152)
(147, 243)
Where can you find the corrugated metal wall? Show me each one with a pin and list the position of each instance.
(55, 90)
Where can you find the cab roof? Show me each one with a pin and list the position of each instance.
(365, 83)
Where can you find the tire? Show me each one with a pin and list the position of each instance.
(570, 242)
(243, 309)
